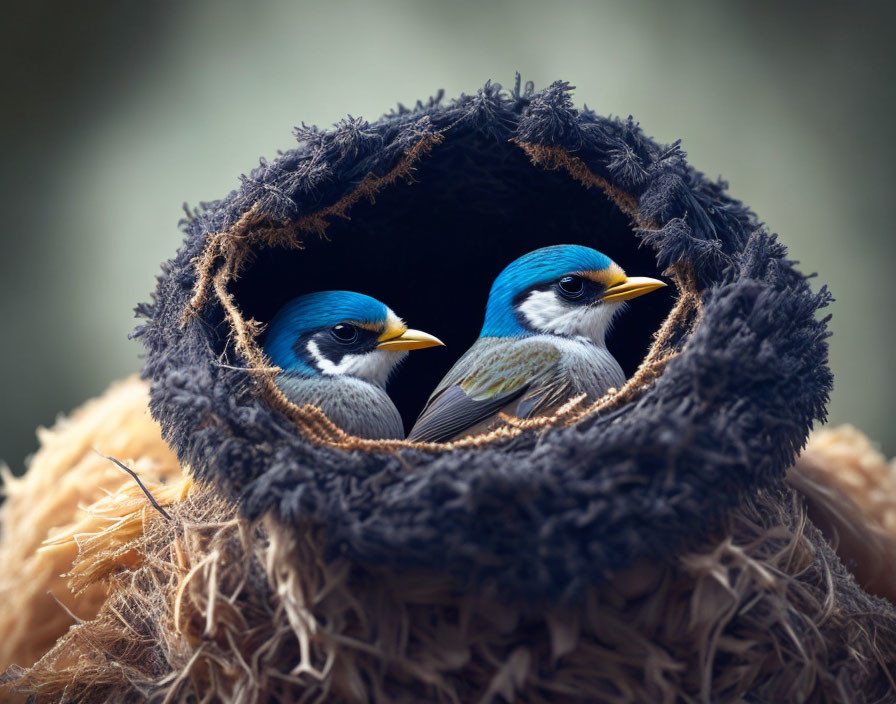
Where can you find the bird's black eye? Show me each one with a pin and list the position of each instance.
(571, 287)
(344, 333)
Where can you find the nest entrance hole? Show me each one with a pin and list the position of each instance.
(430, 249)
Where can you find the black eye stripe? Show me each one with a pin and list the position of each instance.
(590, 293)
(578, 289)
(334, 345)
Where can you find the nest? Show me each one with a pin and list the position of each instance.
(727, 367)
(206, 605)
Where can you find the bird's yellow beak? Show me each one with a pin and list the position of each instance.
(632, 287)
(407, 339)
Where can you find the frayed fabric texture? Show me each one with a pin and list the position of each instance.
(218, 608)
(543, 513)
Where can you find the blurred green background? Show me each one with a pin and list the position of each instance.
(115, 113)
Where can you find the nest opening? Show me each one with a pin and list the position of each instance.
(431, 244)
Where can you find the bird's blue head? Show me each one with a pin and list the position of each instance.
(565, 289)
(340, 332)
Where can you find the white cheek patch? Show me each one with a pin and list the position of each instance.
(546, 312)
(320, 361)
(374, 366)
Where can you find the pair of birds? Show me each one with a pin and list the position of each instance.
(542, 343)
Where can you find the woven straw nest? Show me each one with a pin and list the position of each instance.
(207, 605)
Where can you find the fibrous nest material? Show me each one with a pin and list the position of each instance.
(69, 471)
(850, 490)
(208, 606)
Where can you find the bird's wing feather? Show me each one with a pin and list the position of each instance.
(488, 378)
(453, 412)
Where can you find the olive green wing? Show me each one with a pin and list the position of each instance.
(491, 376)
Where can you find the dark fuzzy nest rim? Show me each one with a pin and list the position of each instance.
(430, 244)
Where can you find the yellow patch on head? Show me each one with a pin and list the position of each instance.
(613, 275)
(395, 327)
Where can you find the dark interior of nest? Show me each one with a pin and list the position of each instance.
(431, 248)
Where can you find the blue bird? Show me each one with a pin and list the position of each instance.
(543, 342)
(336, 350)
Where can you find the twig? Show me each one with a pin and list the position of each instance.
(66, 609)
(146, 491)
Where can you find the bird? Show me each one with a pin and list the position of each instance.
(336, 350)
(542, 343)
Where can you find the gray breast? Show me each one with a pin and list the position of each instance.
(358, 407)
(591, 368)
